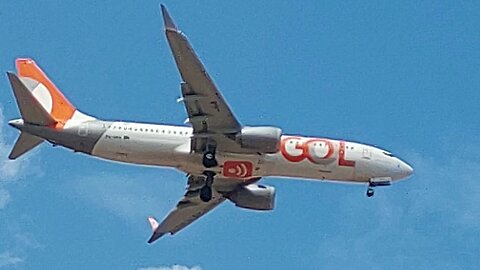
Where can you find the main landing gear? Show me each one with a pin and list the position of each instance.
(206, 190)
(208, 161)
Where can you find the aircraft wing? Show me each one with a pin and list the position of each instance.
(207, 110)
(191, 207)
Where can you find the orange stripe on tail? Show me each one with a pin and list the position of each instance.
(62, 109)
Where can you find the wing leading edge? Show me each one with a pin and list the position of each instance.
(212, 120)
(208, 112)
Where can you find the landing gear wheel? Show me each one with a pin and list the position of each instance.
(370, 192)
(209, 159)
(206, 193)
(206, 190)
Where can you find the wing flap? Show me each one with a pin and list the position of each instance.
(191, 207)
(183, 215)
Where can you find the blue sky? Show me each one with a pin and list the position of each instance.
(403, 75)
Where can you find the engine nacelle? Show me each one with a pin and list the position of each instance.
(261, 139)
(256, 197)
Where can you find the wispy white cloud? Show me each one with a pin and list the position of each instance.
(429, 221)
(25, 240)
(10, 170)
(8, 259)
(4, 197)
(173, 267)
(130, 197)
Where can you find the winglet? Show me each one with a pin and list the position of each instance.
(167, 20)
(154, 225)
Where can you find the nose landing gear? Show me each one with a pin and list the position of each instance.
(370, 192)
(376, 182)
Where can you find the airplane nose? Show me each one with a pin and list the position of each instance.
(407, 170)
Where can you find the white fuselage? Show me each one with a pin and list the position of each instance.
(298, 157)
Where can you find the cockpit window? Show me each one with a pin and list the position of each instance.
(388, 154)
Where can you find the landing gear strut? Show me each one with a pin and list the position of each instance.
(377, 182)
(206, 190)
(208, 161)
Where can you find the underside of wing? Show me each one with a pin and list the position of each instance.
(205, 105)
(191, 207)
(208, 112)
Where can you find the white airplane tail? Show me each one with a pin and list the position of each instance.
(31, 110)
(40, 103)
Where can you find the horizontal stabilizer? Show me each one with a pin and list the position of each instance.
(24, 143)
(31, 110)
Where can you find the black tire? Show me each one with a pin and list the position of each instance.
(370, 192)
(206, 194)
(209, 160)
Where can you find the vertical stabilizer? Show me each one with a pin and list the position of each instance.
(31, 110)
(50, 97)
(24, 143)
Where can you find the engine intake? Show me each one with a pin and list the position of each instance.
(256, 197)
(261, 139)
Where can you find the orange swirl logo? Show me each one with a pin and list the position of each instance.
(238, 169)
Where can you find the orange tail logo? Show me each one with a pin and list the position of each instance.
(61, 109)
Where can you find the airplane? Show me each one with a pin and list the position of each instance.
(223, 159)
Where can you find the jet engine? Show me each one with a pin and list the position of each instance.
(261, 139)
(256, 197)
